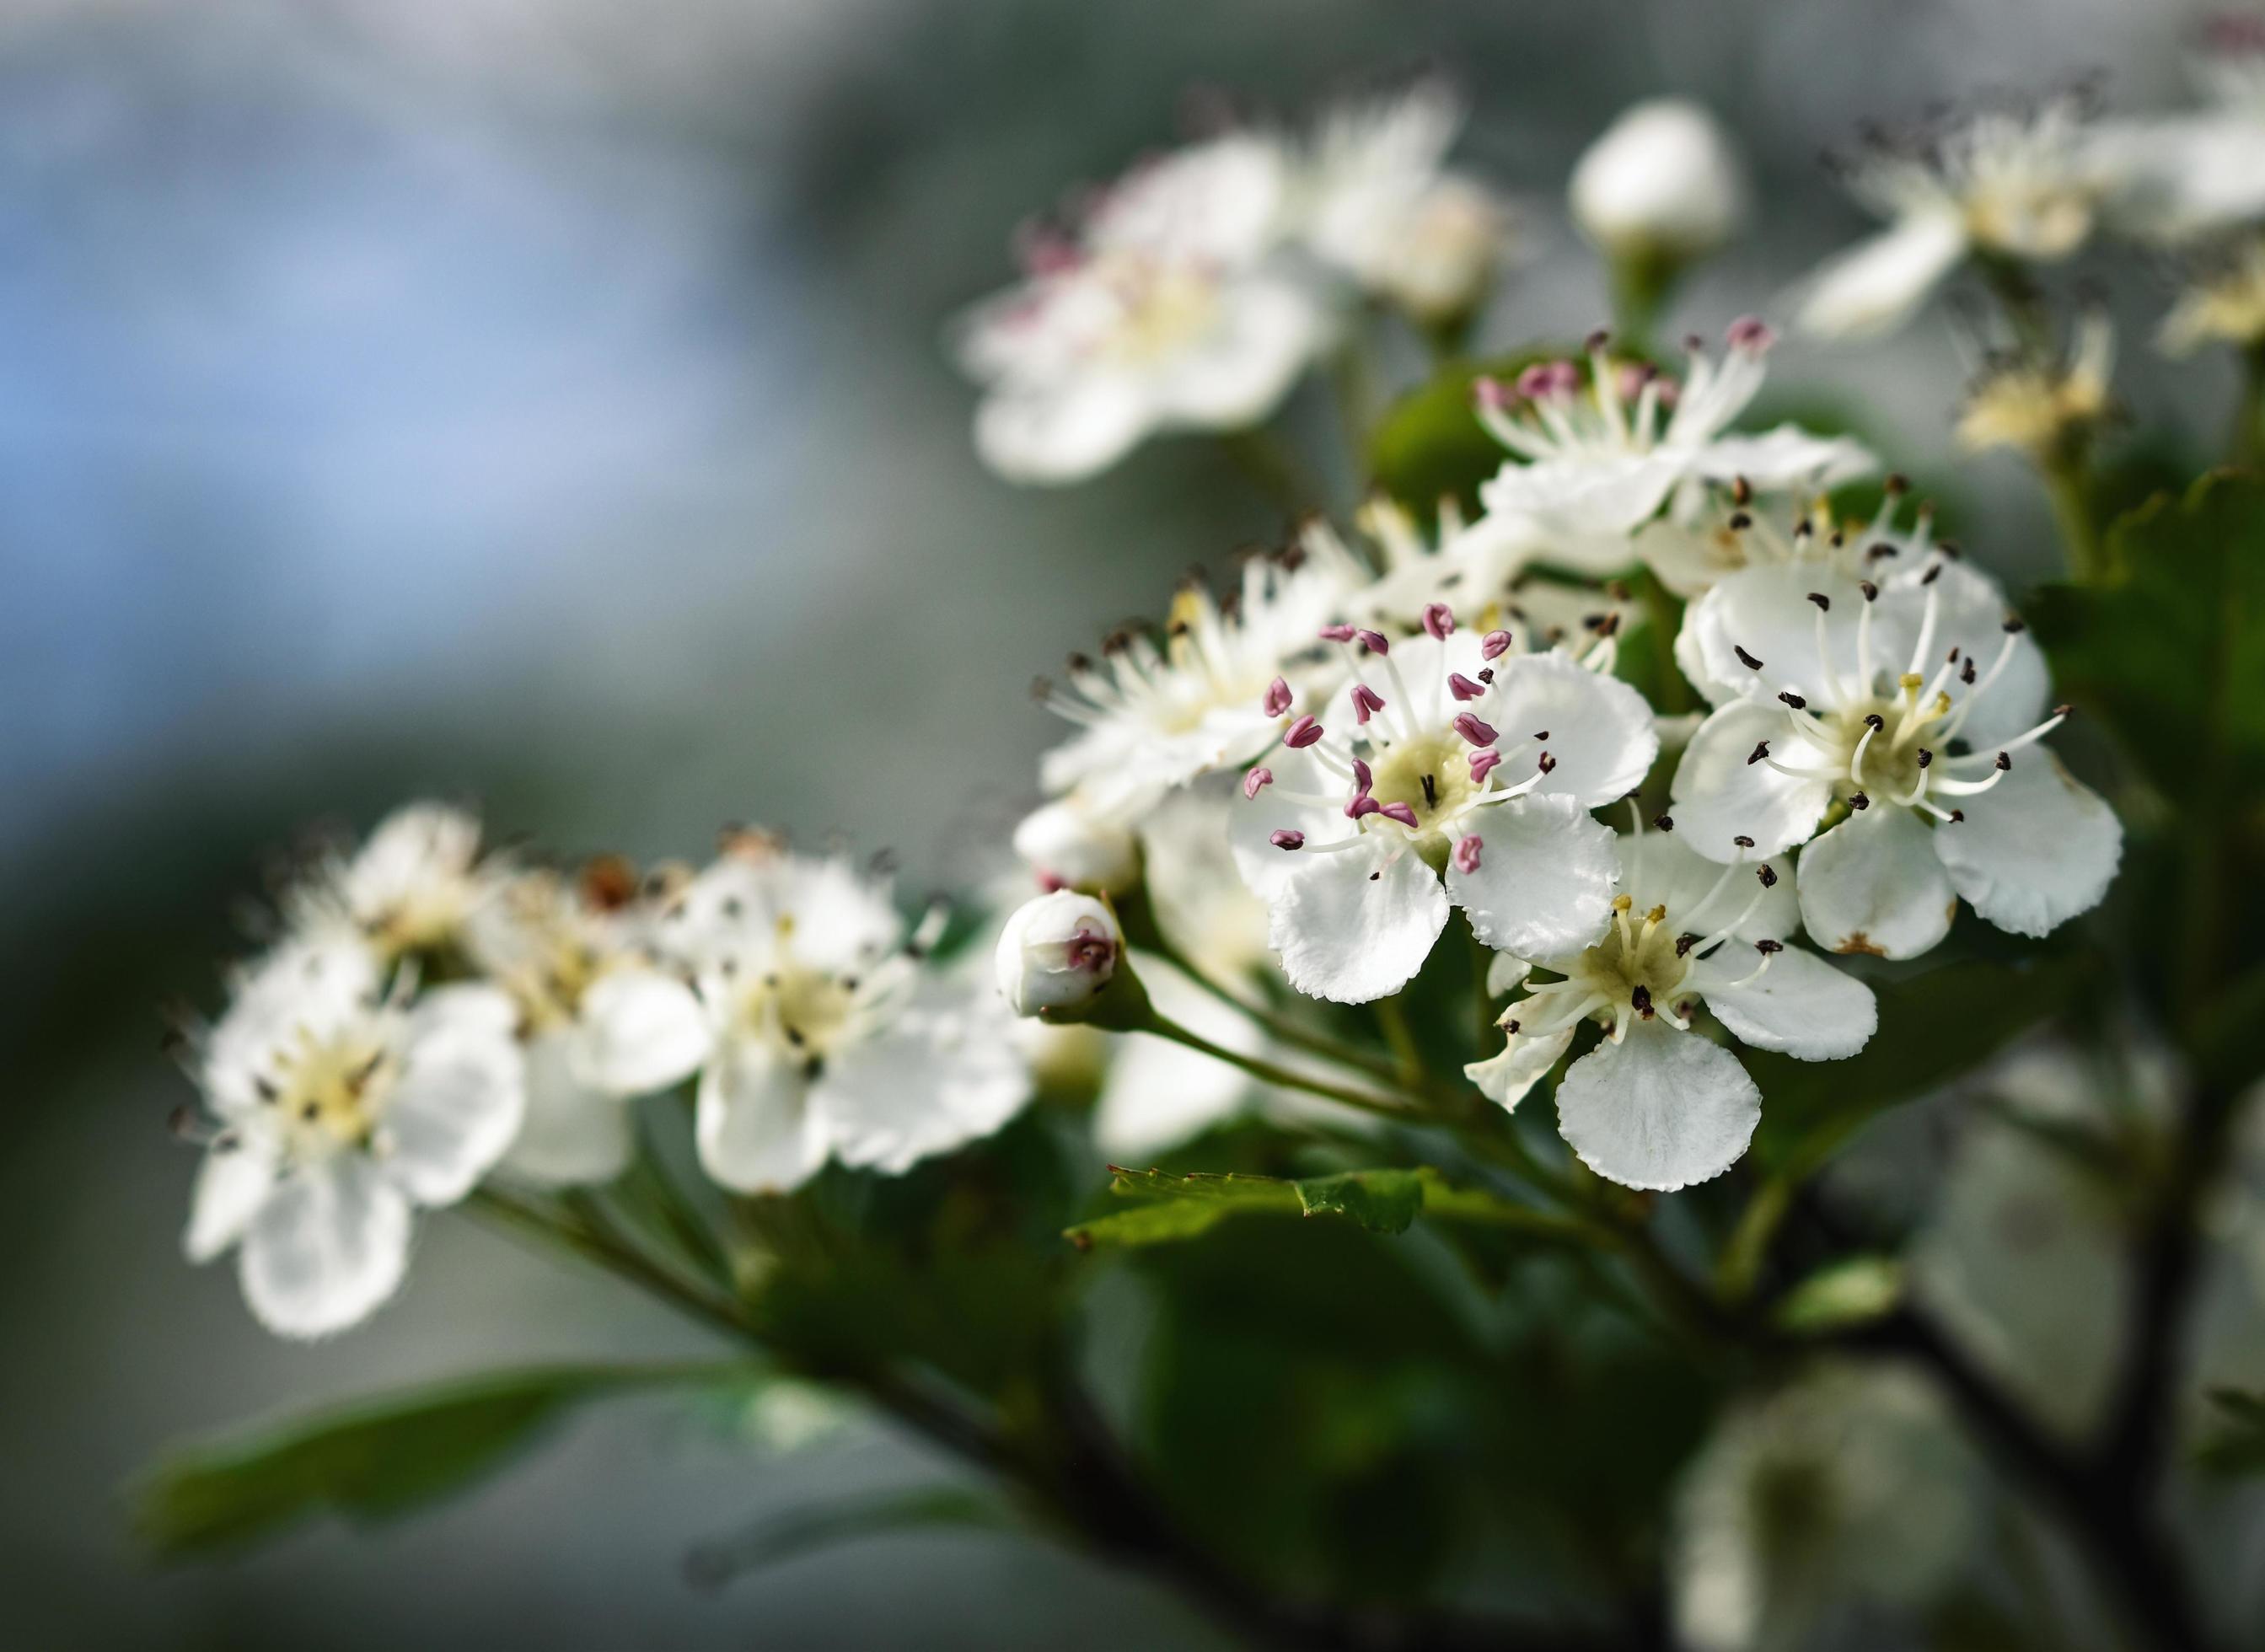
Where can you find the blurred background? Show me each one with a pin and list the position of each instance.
(543, 402)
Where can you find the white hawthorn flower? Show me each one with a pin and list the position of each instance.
(341, 1108)
(1663, 183)
(2037, 409)
(828, 1036)
(600, 1021)
(2191, 175)
(1351, 830)
(2022, 184)
(1656, 1105)
(1069, 844)
(1851, 1487)
(1226, 679)
(1163, 310)
(1595, 456)
(1483, 574)
(2225, 303)
(1378, 202)
(1733, 529)
(1912, 698)
(411, 886)
(1057, 952)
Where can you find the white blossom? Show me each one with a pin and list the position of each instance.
(1071, 844)
(2186, 176)
(2026, 184)
(1057, 952)
(828, 1035)
(1165, 309)
(412, 887)
(340, 1106)
(1353, 827)
(1664, 182)
(1377, 200)
(600, 1021)
(1595, 455)
(1910, 698)
(1656, 1105)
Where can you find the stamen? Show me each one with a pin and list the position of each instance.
(1366, 702)
(1438, 620)
(1278, 698)
(1495, 645)
(1476, 732)
(1255, 780)
(1463, 688)
(1402, 812)
(1467, 854)
(1287, 839)
(1483, 762)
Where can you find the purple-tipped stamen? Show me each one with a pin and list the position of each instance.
(1278, 698)
(1476, 732)
(1287, 839)
(1466, 854)
(1484, 761)
(1463, 688)
(1438, 620)
(1257, 779)
(1495, 644)
(1366, 702)
(1401, 813)
(1303, 732)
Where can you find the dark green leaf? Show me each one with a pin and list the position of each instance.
(375, 1459)
(1382, 1201)
(2236, 1444)
(1934, 1026)
(2173, 658)
(772, 1541)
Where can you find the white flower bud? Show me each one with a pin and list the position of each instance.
(1066, 842)
(1662, 182)
(1058, 952)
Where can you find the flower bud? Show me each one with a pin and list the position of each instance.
(1069, 845)
(1057, 952)
(1662, 183)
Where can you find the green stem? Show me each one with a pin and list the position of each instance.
(1282, 1027)
(1383, 1107)
(2249, 445)
(609, 1253)
(2069, 492)
(1663, 618)
(1391, 1021)
(1269, 465)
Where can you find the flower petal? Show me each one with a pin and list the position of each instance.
(756, 1129)
(1660, 869)
(2035, 849)
(1269, 870)
(1602, 497)
(1356, 925)
(461, 1095)
(1875, 883)
(1544, 884)
(944, 1074)
(1971, 616)
(1660, 1109)
(1874, 286)
(1266, 331)
(330, 1243)
(232, 1184)
(1506, 1078)
(1764, 610)
(575, 1132)
(1800, 1004)
(1719, 796)
(640, 1031)
(1064, 430)
(1785, 459)
(1600, 729)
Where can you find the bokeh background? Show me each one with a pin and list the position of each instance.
(543, 402)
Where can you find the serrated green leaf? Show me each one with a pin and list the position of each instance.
(375, 1459)
(1846, 1292)
(770, 1542)
(1384, 1201)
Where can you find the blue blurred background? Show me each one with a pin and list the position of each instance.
(543, 401)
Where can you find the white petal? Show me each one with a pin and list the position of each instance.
(1786, 459)
(1506, 1078)
(1505, 971)
(1800, 1004)
(575, 1132)
(641, 1032)
(1765, 610)
(1660, 869)
(756, 1129)
(1660, 1109)
(2035, 849)
(1874, 286)
(1719, 796)
(945, 1075)
(1267, 331)
(1601, 496)
(1600, 729)
(1354, 926)
(329, 1245)
(1062, 432)
(1874, 884)
(461, 1095)
(232, 1184)
(1252, 822)
(1971, 616)
(1544, 885)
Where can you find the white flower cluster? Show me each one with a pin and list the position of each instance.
(434, 1016)
(1192, 293)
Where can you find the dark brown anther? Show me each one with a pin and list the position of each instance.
(1858, 800)
(1767, 947)
(1967, 673)
(1545, 762)
(1926, 757)
(2063, 711)
(2015, 625)
(1742, 491)
(1743, 841)
(1487, 674)
(1882, 551)
(1934, 573)
(2004, 762)
(1871, 592)
(1740, 521)
(1761, 751)
(1642, 999)
(1663, 823)
(1823, 602)
(1767, 874)
(1542, 734)
(1957, 815)
(1897, 484)
(1596, 341)
(1794, 701)
(1874, 722)
(1684, 943)
(1745, 659)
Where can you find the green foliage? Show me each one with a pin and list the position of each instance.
(1842, 1294)
(1181, 1207)
(376, 1459)
(1934, 1026)
(772, 1542)
(2171, 658)
(1429, 445)
(2236, 1446)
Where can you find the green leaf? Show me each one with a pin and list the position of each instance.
(1384, 1201)
(1934, 1026)
(2172, 658)
(2237, 1445)
(375, 1459)
(773, 1541)
(1430, 445)
(1844, 1293)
